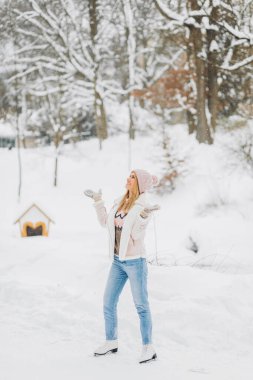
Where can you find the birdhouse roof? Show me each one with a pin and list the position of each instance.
(38, 208)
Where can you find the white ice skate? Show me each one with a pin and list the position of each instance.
(148, 354)
(110, 346)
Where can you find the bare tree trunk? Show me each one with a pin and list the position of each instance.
(57, 142)
(99, 109)
(212, 72)
(55, 125)
(14, 36)
(203, 132)
(19, 154)
(191, 99)
(56, 170)
(131, 117)
(142, 63)
(131, 63)
(101, 122)
(23, 116)
(212, 91)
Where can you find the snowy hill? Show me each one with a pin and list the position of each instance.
(51, 288)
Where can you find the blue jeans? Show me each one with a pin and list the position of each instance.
(136, 271)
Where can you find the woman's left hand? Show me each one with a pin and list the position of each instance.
(148, 210)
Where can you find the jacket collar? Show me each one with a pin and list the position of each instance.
(141, 200)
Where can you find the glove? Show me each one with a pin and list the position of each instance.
(92, 194)
(147, 211)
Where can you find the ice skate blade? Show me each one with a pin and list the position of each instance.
(154, 357)
(113, 351)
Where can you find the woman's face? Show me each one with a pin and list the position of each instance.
(131, 181)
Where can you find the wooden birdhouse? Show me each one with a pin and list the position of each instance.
(34, 222)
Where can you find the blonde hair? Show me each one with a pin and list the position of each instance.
(128, 200)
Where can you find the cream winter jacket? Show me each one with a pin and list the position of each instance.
(133, 231)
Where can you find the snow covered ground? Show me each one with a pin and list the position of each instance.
(51, 288)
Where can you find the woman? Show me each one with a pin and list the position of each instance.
(126, 223)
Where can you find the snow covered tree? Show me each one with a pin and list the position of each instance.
(191, 55)
(56, 39)
(215, 31)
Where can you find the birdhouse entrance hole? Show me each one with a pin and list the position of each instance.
(34, 229)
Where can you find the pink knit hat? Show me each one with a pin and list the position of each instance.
(145, 180)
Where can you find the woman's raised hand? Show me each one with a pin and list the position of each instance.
(96, 196)
(148, 210)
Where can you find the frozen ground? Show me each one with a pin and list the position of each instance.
(51, 288)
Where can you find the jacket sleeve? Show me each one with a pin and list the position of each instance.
(139, 227)
(101, 212)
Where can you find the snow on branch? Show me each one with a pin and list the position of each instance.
(39, 93)
(37, 58)
(31, 48)
(51, 22)
(247, 3)
(230, 8)
(168, 13)
(28, 33)
(86, 71)
(32, 20)
(237, 33)
(179, 20)
(6, 69)
(86, 55)
(46, 32)
(238, 65)
(198, 13)
(58, 48)
(22, 74)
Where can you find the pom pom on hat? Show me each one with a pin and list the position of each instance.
(145, 180)
(155, 180)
